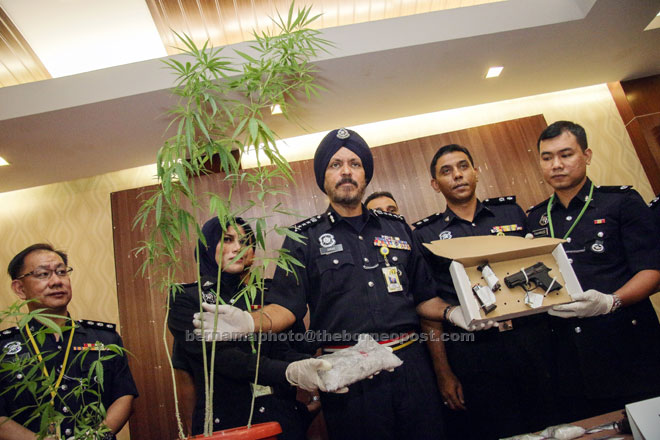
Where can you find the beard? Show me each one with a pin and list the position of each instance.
(346, 198)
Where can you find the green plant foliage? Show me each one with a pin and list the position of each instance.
(30, 368)
(222, 103)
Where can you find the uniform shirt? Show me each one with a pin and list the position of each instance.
(491, 217)
(343, 280)
(612, 241)
(117, 378)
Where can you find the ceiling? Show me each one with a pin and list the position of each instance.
(109, 119)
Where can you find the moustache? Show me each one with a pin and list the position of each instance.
(346, 180)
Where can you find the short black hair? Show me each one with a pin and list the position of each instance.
(446, 149)
(378, 194)
(16, 264)
(557, 128)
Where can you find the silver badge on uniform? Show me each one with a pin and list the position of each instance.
(598, 247)
(342, 133)
(208, 297)
(328, 244)
(12, 347)
(327, 240)
(445, 235)
(544, 220)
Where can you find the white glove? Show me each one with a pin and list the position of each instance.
(457, 318)
(233, 323)
(585, 304)
(305, 374)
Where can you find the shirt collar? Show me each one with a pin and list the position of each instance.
(579, 199)
(333, 217)
(481, 209)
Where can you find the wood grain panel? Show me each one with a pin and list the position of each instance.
(225, 22)
(638, 102)
(505, 153)
(18, 63)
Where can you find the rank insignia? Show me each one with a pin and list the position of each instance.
(445, 235)
(12, 348)
(599, 221)
(391, 242)
(544, 220)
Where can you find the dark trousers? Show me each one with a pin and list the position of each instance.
(402, 404)
(507, 381)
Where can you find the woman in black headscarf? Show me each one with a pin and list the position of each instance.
(235, 362)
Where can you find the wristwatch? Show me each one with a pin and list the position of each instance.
(616, 305)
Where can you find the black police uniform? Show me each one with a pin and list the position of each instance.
(503, 373)
(344, 285)
(235, 366)
(605, 361)
(117, 378)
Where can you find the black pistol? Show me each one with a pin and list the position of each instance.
(538, 274)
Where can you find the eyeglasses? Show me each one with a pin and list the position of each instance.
(45, 274)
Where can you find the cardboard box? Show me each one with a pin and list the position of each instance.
(644, 418)
(506, 256)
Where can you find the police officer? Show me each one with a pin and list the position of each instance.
(362, 274)
(383, 201)
(608, 339)
(40, 273)
(235, 362)
(500, 378)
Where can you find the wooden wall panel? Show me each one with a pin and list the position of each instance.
(505, 154)
(18, 62)
(638, 102)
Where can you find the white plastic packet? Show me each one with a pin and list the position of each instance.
(358, 362)
(563, 432)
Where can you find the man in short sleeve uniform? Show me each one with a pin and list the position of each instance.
(608, 339)
(497, 383)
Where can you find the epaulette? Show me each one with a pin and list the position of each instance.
(655, 202)
(537, 206)
(380, 213)
(506, 200)
(301, 226)
(613, 188)
(428, 220)
(8, 332)
(97, 324)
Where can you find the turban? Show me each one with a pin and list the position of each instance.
(331, 143)
(212, 232)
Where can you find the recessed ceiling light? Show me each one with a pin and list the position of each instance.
(275, 109)
(494, 72)
(3, 162)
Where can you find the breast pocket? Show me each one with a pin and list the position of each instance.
(335, 271)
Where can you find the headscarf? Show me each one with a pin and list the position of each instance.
(212, 231)
(331, 143)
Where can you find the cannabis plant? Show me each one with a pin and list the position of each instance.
(30, 374)
(220, 117)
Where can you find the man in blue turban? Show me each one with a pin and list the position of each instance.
(360, 273)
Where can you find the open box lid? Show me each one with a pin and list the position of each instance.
(473, 250)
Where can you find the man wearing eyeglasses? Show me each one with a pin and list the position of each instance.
(40, 275)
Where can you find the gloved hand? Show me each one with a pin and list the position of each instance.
(233, 322)
(305, 374)
(585, 304)
(457, 318)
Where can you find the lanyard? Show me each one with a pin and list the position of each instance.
(53, 391)
(577, 220)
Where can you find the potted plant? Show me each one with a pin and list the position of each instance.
(222, 116)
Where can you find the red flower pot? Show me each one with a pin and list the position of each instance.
(260, 431)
